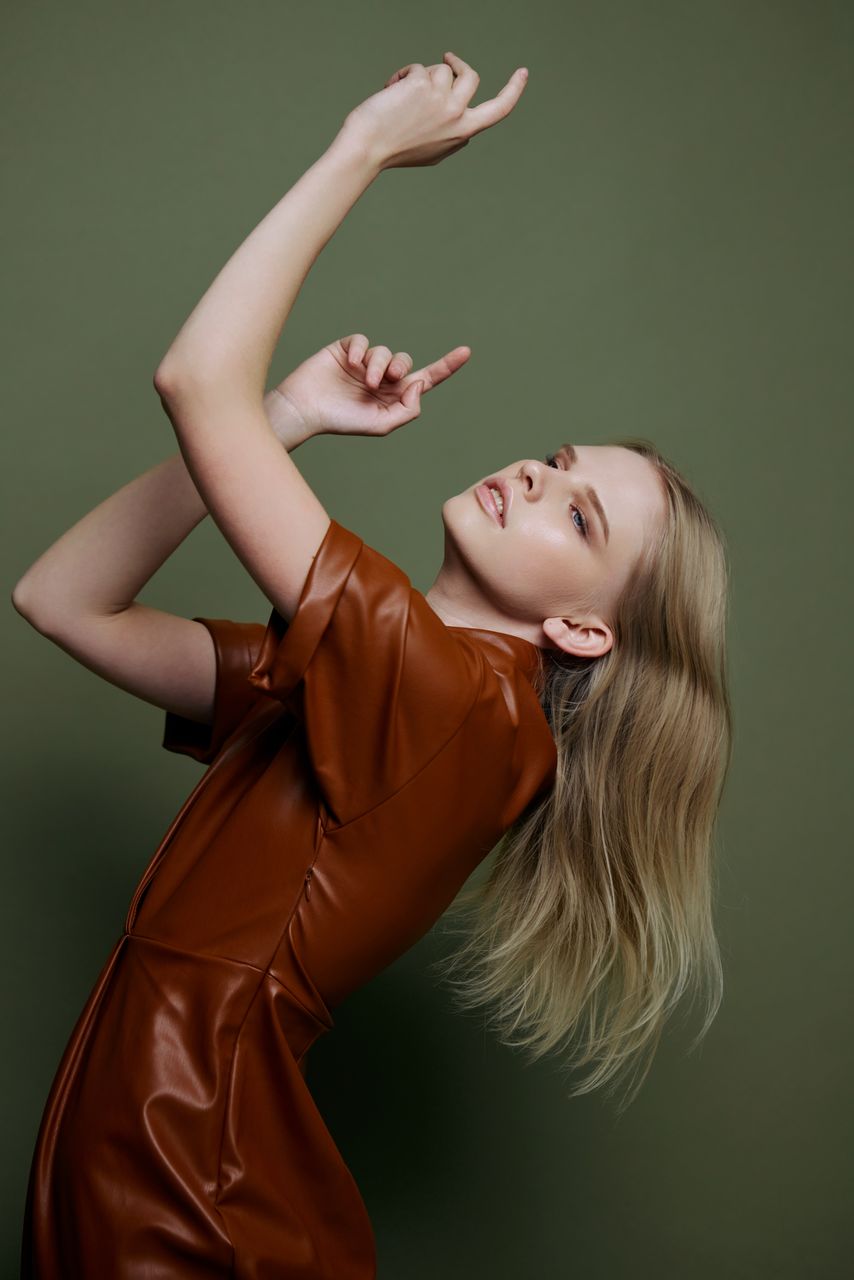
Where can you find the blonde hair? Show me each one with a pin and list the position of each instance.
(596, 915)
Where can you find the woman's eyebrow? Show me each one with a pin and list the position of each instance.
(571, 457)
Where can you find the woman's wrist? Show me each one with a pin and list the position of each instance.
(289, 426)
(354, 146)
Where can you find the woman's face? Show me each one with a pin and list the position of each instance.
(554, 565)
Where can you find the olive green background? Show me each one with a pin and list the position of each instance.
(656, 242)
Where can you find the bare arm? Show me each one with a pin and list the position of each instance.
(80, 592)
(97, 568)
(211, 380)
(212, 376)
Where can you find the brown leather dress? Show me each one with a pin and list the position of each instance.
(362, 761)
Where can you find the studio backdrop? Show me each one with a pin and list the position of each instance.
(656, 243)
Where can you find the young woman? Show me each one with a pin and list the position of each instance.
(560, 688)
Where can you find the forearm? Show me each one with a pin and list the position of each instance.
(229, 338)
(103, 561)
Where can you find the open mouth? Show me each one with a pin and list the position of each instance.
(493, 496)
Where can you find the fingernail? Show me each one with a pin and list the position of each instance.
(524, 73)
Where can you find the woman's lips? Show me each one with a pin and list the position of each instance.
(486, 500)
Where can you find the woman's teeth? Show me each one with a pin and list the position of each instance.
(499, 499)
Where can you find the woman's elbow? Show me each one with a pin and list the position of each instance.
(184, 387)
(166, 379)
(26, 602)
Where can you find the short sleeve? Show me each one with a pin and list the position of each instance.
(377, 679)
(236, 645)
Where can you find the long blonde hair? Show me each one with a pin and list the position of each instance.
(597, 912)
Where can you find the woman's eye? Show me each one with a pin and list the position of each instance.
(551, 461)
(582, 528)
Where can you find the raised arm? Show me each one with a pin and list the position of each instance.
(212, 377)
(211, 380)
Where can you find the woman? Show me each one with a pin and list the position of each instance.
(560, 687)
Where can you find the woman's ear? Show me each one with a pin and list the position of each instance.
(589, 639)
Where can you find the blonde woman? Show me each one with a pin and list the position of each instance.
(560, 690)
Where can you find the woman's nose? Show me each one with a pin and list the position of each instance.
(532, 479)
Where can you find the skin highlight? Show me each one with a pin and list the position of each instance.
(549, 574)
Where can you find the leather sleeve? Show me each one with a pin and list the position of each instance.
(377, 679)
(236, 645)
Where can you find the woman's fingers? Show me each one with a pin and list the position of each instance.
(442, 74)
(495, 109)
(378, 359)
(402, 72)
(439, 370)
(407, 407)
(379, 363)
(355, 345)
(466, 78)
(400, 365)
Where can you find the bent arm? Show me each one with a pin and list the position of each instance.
(210, 381)
(99, 565)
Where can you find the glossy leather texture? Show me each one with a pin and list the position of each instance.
(361, 762)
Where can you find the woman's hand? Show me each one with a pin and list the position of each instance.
(422, 113)
(352, 388)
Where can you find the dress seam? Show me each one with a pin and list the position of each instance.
(302, 1004)
(197, 955)
(227, 1095)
